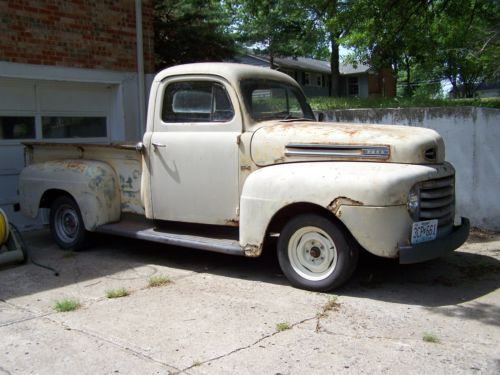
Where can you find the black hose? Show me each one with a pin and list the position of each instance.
(26, 252)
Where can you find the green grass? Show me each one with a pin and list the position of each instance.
(326, 103)
(280, 327)
(429, 337)
(68, 254)
(117, 293)
(67, 304)
(159, 280)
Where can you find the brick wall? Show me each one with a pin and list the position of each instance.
(94, 34)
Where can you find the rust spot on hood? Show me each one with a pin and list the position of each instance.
(340, 201)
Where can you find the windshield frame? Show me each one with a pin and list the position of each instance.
(290, 89)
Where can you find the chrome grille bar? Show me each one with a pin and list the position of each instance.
(437, 200)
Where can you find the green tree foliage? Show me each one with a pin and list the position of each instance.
(457, 40)
(466, 35)
(423, 41)
(277, 28)
(191, 31)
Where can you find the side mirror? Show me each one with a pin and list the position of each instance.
(139, 147)
(321, 117)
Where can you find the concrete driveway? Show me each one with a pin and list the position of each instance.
(229, 315)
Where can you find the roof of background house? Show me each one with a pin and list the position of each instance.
(302, 63)
(488, 86)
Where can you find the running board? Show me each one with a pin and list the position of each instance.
(143, 230)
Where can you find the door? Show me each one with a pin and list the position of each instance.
(194, 152)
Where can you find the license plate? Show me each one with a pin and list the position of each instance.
(423, 231)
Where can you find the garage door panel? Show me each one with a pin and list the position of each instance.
(16, 96)
(75, 98)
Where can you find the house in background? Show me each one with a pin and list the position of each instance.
(71, 71)
(488, 90)
(314, 76)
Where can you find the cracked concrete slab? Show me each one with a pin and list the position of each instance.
(220, 314)
(45, 347)
(186, 318)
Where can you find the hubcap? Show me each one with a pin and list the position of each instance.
(312, 253)
(66, 223)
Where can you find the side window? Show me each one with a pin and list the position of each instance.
(196, 102)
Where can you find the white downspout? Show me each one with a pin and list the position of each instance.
(140, 70)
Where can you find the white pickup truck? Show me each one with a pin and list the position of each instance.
(232, 156)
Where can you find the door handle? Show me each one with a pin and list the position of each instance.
(156, 145)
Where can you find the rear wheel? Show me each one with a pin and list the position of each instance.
(315, 253)
(66, 224)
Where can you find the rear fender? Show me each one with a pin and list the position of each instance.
(94, 186)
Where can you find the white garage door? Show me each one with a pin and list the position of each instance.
(46, 111)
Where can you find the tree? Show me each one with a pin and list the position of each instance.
(391, 33)
(453, 39)
(335, 19)
(191, 31)
(467, 36)
(277, 28)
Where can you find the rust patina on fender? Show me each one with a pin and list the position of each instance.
(94, 185)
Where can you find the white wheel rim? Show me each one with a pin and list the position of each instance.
(312, 253)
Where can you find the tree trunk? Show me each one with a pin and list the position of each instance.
(408, 89)
(334, 66)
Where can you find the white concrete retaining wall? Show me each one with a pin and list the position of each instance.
(472, 139)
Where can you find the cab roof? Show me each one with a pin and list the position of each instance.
(232, 72)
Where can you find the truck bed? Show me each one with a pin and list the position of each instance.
(123, 158)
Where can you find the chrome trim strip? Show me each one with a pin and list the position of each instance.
(342, 151)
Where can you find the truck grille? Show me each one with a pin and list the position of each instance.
(437, 200)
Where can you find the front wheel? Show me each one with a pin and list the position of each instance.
(315, 253)
(66, 224)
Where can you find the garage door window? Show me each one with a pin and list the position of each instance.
(73, 127)
(17, 127)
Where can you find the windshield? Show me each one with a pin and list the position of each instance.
(274, 100)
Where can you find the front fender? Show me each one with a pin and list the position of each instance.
(330, 185)
(92, 184)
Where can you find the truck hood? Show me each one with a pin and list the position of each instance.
(285, 142)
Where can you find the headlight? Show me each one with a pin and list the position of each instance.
(413, 203)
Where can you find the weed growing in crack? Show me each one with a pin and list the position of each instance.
(159, 280)
(280, 327)
(331, 305)
(68, 254)
(430, 337)
(67, 304)
(117, 293)
(196, 364)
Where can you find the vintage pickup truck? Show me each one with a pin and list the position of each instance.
(233, 156)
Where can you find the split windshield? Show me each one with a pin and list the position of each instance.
(273, 100)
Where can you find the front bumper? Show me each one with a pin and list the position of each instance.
(434, 249)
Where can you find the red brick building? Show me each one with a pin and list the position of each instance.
(70, 71)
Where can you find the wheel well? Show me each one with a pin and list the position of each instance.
(51, 195)
(281, 217)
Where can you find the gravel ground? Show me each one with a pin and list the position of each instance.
(228, 315)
